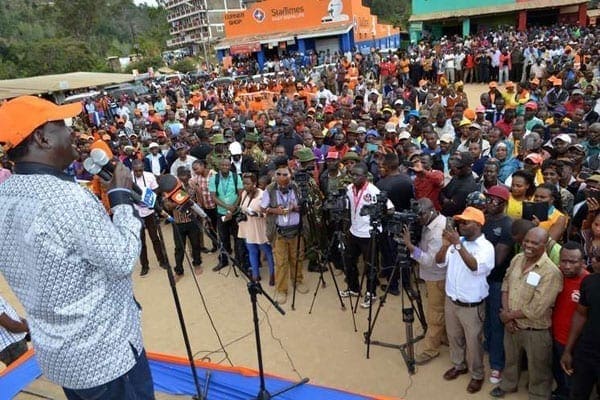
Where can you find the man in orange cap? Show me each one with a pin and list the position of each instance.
(469, 259)
(68, 263)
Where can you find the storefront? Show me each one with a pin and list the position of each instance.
(442, 17)
(272, 28)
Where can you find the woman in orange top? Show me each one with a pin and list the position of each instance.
(352, 76)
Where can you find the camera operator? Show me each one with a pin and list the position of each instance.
(361, 193)
(433, 225)
(312, 218)
(400, 189)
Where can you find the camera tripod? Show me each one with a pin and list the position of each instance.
(401, 264)
(337, 241)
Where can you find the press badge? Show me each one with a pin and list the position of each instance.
(533, 278)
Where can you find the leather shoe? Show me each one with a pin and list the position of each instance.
(454, 373)
(475, 385)
(499, 393)
(218, 267)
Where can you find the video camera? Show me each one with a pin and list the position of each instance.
(376, 211)
(395, 224)
(302, 179)
(336, 204)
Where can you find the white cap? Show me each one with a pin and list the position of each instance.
(235, 149)
(152, 145)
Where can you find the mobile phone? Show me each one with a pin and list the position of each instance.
(450, 223)
(372, 148)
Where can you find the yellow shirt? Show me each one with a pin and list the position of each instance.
(514, 208)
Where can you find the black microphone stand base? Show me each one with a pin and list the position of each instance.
(255, 288)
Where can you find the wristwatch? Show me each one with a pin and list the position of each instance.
(457, 246)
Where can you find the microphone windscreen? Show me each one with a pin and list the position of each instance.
(167, 183)
(102, 145)
(90, 166)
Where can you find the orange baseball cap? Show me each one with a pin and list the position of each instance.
(471, 214)
(20, 116)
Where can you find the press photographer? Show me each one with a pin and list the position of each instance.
(365, 211)
(252, 227)
(280, 204)
(433, 225)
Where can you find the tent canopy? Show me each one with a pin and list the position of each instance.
(10, 88)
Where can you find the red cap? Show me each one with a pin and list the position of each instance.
(333, 154)
(498, 191)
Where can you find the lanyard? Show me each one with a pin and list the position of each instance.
(357, 197)
(283, 200)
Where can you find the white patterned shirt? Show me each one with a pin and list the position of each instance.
(70, 266)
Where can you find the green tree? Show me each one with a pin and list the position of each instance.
(394, 12)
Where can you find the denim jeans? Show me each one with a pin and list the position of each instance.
(493, 328)
(254, 254)
(134, 384)
(563, 381)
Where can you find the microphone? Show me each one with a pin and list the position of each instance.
(175, 192)
(99, 163)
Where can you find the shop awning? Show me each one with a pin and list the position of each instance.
(500, 9)
(250, 42)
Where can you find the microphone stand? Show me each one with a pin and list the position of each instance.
(200, 395)
(254, 289)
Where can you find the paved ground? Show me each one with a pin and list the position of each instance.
(322, 346)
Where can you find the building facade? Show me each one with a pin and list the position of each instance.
(270, 27)
(198, 23)
(443, 17)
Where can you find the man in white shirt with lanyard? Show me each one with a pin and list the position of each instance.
(360, 193)
(147, 180)
(469, 259)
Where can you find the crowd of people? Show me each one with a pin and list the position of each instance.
(506, 188)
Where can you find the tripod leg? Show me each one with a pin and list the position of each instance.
(298, 265)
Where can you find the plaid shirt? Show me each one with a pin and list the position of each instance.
(535, 299)
(200, 184)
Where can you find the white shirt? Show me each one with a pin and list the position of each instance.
(186, 163)
(147, 180)
(430, 244)
(361, 225)
(465, 285)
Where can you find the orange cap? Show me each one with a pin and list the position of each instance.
(471, 214)
(19, 117)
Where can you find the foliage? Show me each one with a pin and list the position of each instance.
(146, 62)
(42, 37)
(185, 65)
(395, 12)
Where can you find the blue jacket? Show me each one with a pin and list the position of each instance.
(161, 160)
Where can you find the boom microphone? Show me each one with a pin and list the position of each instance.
(175, 192)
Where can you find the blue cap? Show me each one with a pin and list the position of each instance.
(372, 132)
